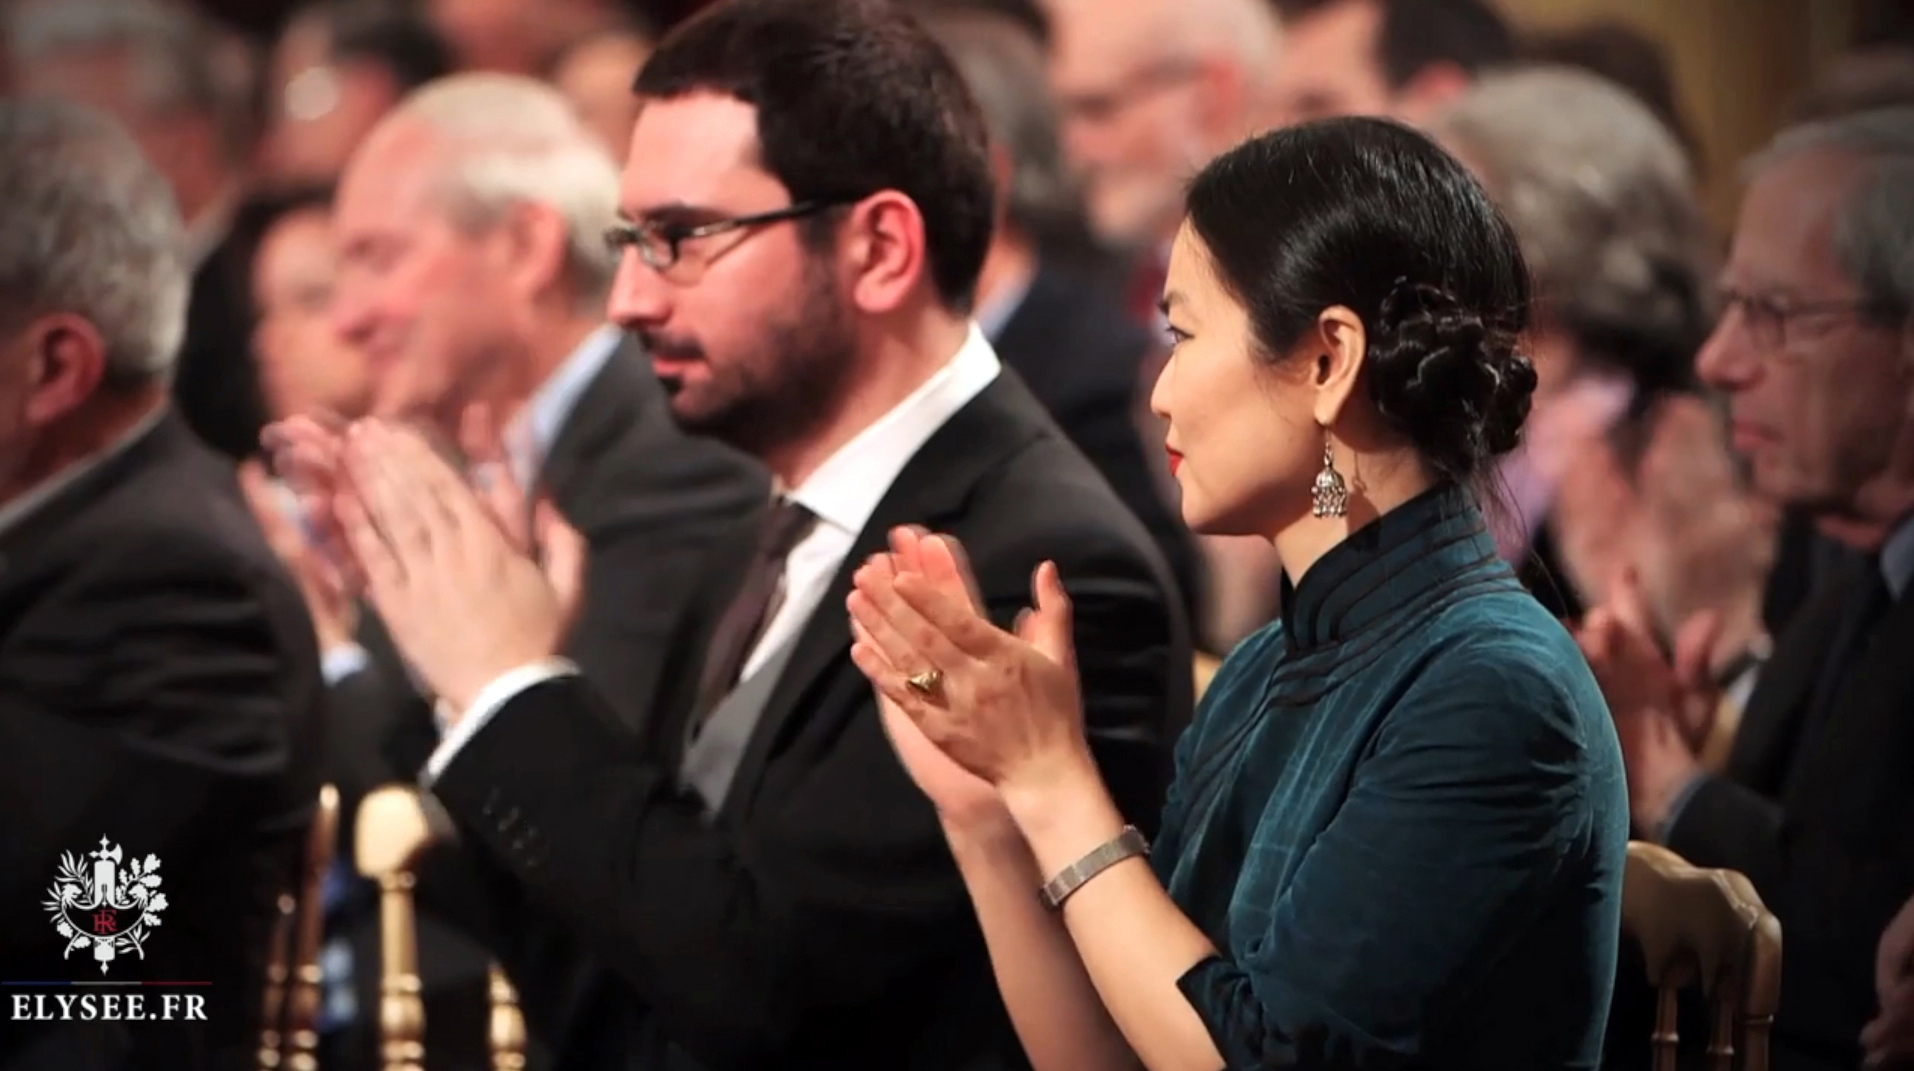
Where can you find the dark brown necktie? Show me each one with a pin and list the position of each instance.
(744, 620)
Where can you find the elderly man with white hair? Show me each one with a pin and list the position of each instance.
(473, 271)
(159, 684)
(1816, 356)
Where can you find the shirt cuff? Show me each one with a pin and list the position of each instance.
(341, 661)
(487, 703)
(1676, 806)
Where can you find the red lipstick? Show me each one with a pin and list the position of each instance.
(1176, 460)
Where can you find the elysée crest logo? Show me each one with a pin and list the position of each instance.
(90, 908)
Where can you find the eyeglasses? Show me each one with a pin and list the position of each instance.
(1767, 320)
(660, 242)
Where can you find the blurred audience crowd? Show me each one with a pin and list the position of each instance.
(1714, 491)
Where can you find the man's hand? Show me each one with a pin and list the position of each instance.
(460, 602)
(329, 601)
(306, 454)
(1661, 710)
(533, 526)
(1889, 1039)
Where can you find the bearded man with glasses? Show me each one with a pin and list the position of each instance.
(744, 876)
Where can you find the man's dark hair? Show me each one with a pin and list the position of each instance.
(1416, 34)
(853, 97)
(260, 211)
(394, 37)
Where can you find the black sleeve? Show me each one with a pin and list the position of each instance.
(741, 939)
(154, 675)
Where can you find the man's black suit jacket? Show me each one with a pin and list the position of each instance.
(159, 688)
(650, 501)
(1821, 819)
(1082, 355)
(817, 920)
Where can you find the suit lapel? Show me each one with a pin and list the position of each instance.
(1866, 724)
(615, 399)
(1776, 709)
(930, 491)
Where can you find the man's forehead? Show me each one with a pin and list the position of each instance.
(1101, 39)
(688, 150)
(1787, 223)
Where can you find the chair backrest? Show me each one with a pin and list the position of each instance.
(508, 1025)
(1707, 928)
(288, 1030)
(302, 999)
(389, 836)
(395, 827)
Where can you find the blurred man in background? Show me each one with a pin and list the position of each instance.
(595, 74)
(338, 68)
(517, 36)
(1148, 92)
(152, 66)
(1066, 336)
(159, 685)
(1404, 59)
(1816, 354)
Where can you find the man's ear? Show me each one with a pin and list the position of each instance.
(535, 243)
(1339, 343)
(1003, 171)
(883, 250)
(66, 362)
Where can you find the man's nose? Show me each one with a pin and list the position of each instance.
(1728, 359)
(639, 296)
(350, 316)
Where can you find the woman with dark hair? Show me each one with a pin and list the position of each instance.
(1398, 824)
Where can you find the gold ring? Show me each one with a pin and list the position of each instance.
(926, 683)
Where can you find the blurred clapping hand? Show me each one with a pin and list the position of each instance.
(469, 583)
(290, 493)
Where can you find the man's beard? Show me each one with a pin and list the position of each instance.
(781, 394)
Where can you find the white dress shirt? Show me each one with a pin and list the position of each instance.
(843, 493)
(529, 439)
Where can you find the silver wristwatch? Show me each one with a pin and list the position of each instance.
(1104, 856)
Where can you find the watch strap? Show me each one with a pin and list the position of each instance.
(1128, 843)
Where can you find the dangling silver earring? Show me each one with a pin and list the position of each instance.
(1330, 495)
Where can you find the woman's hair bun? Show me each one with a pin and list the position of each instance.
(1448, 378)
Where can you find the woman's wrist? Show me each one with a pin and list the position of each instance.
(981, 831)
(1063, 812)
(983, 845)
